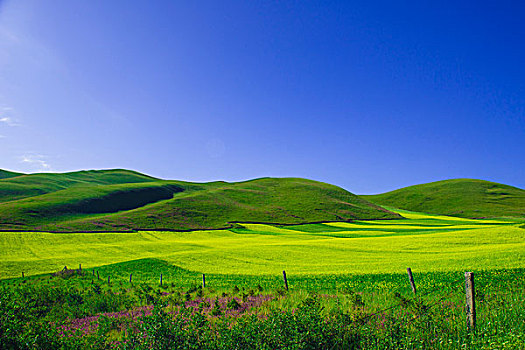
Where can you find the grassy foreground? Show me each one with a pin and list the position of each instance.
(423, 242)
(76, 310)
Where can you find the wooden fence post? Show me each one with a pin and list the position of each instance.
(93, 272)
(109, 280)
(161, 279)
(285, 280)
(203, 281)
(130, 275)
(22, 274)
(471, 300)
(98, 276)
(79, 269)
(411, 279)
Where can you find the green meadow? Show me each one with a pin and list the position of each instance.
(426, 243)
(347, 281)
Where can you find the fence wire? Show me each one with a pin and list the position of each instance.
(454, 284)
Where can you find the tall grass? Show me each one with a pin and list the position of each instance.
(72, 310)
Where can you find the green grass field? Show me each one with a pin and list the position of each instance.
(424, 242)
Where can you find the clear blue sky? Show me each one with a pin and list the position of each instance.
(367, 95)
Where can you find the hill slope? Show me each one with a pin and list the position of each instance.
(23, 186)
(466, 198)
(112, 200)
(4, 174)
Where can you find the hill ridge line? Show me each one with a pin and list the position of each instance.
(121, 200)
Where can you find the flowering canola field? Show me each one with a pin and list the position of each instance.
(424, 242)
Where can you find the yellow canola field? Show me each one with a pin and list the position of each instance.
(420, 242)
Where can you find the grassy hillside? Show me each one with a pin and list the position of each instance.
(4, 174)
(123, 200)
(23, 186)
(459, 197)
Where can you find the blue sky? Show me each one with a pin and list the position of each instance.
(370, 96)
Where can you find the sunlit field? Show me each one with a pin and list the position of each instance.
(425, 243)
(347, 286)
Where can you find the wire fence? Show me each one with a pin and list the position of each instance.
(451, 289)
(420, 306)
(417, 298)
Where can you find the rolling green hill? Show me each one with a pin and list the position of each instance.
(17, 186)
(123, 200)
(466, 198)
(4, 174)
